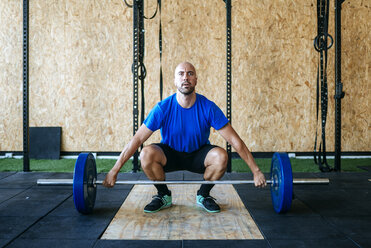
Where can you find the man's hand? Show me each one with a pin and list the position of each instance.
(110, 179)
(259, 179)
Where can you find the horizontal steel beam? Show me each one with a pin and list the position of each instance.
(65, 182)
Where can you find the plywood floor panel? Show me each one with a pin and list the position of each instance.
(184, 220)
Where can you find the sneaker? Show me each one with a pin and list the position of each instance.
(158, 202)
(208, 203)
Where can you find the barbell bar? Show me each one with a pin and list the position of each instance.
(68, 182)
(85, 182)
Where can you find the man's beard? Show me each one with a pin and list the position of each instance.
(186, 92)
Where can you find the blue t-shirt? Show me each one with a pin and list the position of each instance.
(185, 129)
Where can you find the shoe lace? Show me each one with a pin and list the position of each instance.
(161, 198)
(208, 198)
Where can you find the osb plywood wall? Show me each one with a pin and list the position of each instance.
(81, 80)
(10, 76)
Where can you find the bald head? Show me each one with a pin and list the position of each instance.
(185, 78)
(185, 65)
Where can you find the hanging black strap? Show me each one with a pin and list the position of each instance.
(138, 67)
(143, 71)
(154, 14)
(158, 10)
(130, 6)
(321, 46)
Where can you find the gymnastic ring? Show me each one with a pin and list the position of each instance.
(143, 70)
(322, 37)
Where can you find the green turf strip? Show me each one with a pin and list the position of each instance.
(238, 165)
(303, 165)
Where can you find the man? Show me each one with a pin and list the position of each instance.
(184, 119)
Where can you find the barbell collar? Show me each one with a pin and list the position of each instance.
(66, 182)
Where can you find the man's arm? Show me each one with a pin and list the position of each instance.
(139, 138)
(230, 135)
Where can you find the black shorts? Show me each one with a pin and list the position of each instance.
(190, 161)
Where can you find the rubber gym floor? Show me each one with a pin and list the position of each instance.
(334, 215)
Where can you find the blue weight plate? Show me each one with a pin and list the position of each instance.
(84, 188)
(281, 187)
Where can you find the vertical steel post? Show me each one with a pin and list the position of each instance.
(138, 69)
(26, 157)
(141, 57)
(339, 94)
(135, 76)
(229, 74)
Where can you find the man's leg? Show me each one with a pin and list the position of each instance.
(152, 160)
(216, 164)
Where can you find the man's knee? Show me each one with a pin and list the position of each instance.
(146, 153)
(217, 157)
(149, 155)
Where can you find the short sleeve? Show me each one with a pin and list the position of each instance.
(154, 119)
(217, 117)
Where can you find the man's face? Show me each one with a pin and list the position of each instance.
(185, 78)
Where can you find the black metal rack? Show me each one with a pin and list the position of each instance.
(229, 74)
(339, 94)
(321, 45)
(139, 73)
(26, 158)
(138, 69)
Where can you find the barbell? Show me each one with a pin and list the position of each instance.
(85, 182)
